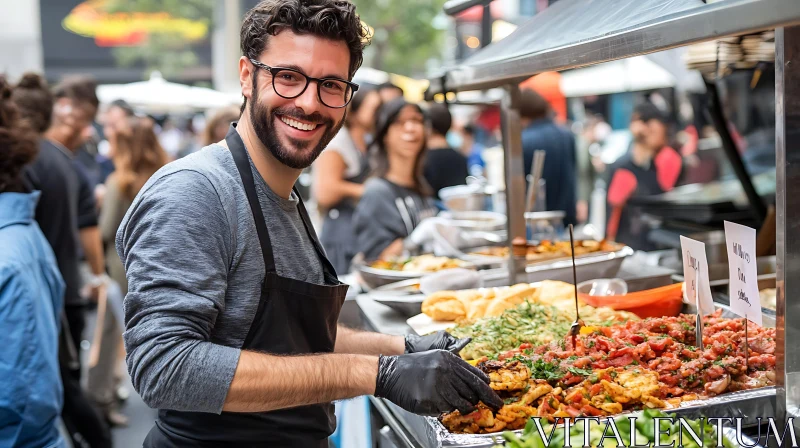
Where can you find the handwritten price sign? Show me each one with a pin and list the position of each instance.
(745, 300)
(695, 274)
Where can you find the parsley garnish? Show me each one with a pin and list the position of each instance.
(577, 371)
(542, 370)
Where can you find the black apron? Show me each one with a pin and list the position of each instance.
(337, 236)
(293, 317)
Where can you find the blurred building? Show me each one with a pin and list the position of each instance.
(20, 37)
(62, 37)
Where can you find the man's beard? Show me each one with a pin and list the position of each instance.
(299, 157)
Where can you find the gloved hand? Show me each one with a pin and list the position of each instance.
(441, 340)
(429, 383)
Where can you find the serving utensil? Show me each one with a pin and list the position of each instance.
(536, 173)
(575, 329)
(698, 324)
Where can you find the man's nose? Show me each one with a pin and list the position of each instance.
(309, 100)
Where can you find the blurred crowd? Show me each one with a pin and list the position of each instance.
(71, 167)
(383, 174)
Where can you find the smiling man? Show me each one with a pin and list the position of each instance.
(232, 309)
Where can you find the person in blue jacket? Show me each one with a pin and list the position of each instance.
(31, 294)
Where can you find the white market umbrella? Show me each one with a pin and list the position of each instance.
(158, 94)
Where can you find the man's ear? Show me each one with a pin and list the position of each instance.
(246, 77)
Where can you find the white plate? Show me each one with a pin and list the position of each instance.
(423, 324)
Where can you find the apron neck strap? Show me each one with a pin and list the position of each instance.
(327, 267)
(239, 153)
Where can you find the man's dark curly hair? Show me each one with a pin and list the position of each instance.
(35, 101)
(329, 19)
(18, 142)
(81, 89)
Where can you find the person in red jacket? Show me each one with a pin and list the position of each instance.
(650, 167)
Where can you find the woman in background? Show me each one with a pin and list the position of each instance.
(137, 154)
(219, 123)
(397, 198)
(31, 298)
(339, 174)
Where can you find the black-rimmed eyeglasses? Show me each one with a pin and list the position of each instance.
(290, 83)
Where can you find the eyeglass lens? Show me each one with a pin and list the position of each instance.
(332, 93)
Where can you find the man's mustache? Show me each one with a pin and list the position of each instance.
(293, 112)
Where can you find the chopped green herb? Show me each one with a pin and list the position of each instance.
(542, 370)
(580, 372)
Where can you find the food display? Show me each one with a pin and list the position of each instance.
(422, 263)
(672, 434)
(472, 304)
(651, 363)
(527, 323)
(550, 250)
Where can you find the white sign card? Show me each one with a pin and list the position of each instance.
(744, 296)
(695, 274)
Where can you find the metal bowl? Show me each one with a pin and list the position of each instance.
(466, 198)
(404, 297)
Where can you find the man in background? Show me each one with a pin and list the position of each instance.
(650, 167)
(444, 166)
(66, 214)
(472, 150)
(540, 132)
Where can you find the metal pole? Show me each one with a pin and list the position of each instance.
(225, 45)
(757, 206)
(514, 174)
(486, 25)
(787, 154)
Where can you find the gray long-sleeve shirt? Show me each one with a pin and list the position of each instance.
(195, 269)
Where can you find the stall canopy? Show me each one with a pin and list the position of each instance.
(574, 33)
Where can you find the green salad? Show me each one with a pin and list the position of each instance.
(528, 322)
(644, 427)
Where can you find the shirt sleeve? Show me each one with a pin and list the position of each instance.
(176, 245)
(377, 223)
(87, 212)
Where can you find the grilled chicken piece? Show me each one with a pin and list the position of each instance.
(502, 376)
(719, 386)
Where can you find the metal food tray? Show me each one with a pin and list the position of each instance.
(747, 404)
(472, 256)
(430, 433)
(374, 277)
(588, 267)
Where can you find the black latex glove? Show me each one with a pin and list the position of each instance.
(441, 340)
(429, 383)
